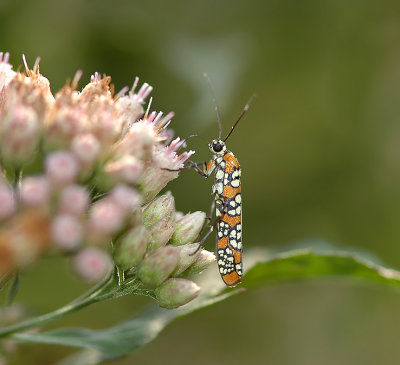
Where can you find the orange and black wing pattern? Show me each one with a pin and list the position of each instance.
(229, 225)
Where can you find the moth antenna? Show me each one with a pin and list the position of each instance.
(245, 109)
(216, 104)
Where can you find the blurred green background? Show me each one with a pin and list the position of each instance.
(319, 150)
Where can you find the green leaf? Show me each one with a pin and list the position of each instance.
(263, 266)
(118, 340)
(307, 264)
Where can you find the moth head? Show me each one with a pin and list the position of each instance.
(217, 146)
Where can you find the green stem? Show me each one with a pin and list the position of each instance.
(110, 288)
(94, 295)
(41, 320)
(98, 288)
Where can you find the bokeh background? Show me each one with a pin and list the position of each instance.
(319, 149)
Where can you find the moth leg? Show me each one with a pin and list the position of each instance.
(207, 168)
(213, 225)
(210, 213)
(208, 220)
(189, 165)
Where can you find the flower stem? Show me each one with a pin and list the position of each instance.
(41, 320)
(111, 287)
(102, 291)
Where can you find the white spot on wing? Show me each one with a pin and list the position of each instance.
(235, 183)
(220, 174)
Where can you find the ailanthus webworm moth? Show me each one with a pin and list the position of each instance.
(227, 190)
(228, 209)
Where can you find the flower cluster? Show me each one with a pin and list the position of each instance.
(82, 169)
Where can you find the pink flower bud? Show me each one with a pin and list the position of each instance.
(129, 252)
(188, 228)
(63, 124)
(161, 207)
(188, 255)
(130, 108)
(128, 199)
(160, 232)
(41, 83)
(7, 201)
(67, 231)
(178, 215)
(135, 219)
(106, 217)
(103, 120)
(158, 265)
(92, 264)
(127, 169)
(138, 141)
(204, 260)
(157, 173)
(35, 191)
(86, 148)
(6, 72)
(98, 86)
(20, 130)
(74, 199)
(26, 91)
(61, 168)
(176, 292)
